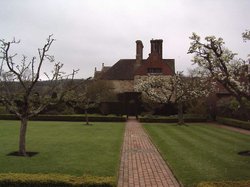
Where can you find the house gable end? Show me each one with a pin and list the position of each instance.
(154, 65)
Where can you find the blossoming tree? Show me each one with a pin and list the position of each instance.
(223, 65)
(177, 89)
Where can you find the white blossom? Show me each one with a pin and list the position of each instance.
(222, 64)
(164, 89)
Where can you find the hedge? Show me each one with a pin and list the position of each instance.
(55, 180)
(225, 184)
(234, 123)
(173, 119)
(152, 119)
(8, 117)
(67, 118)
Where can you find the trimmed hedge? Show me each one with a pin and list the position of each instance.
(225, 184)
(8, 117)
(153, 119)
(234, 123)
(171, 120)
(55, 180)
(67, 118)
(174, 119)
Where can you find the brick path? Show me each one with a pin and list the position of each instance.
(141, 164)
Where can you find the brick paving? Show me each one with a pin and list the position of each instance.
(141, 163)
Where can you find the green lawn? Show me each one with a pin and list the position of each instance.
(64, 147)
(202, 153)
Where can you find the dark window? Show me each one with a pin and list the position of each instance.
(155, 70)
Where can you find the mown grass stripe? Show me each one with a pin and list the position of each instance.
(190, 139)
(229, 135)
(215, 142)
(185, 155)
(216, 149)
(198, 153)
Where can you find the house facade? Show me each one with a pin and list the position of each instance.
(124, 73)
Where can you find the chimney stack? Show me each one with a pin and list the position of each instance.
(139, 52)
(156, 46)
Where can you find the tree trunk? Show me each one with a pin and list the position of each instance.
(86, 117)
(22, 137)
(180, 113)
(243, 113)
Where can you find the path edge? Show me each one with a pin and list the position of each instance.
(157, 148)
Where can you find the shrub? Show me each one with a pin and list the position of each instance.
(61, 108)
(55, 180)
(234, 123)
(225, 184)
(230, 108)
(3, 110)
(197, 106)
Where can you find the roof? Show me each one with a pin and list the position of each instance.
(98, 74)
(170, 63)
(124, 69)
(105, 68)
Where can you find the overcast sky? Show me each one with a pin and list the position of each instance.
(91, 32)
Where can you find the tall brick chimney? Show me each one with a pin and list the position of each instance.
(139, 52)
(156, 46)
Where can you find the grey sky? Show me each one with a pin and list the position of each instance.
(91, 32)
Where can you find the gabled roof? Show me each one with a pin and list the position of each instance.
(155, 61)
(125, 69)
(122, 70)
(170, 63)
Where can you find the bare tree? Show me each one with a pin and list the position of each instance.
(81, 98)
(21, 89)
(89, 94)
